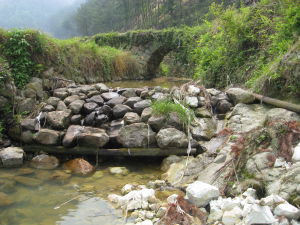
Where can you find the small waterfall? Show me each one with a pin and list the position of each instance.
(38, 119)
(148, 135)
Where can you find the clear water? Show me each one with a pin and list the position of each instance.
(49, 197)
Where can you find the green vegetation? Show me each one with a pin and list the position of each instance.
(164, 69)
(165, 107)
(30, 53)
(247, 45)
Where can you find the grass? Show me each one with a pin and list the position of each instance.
(165, 107)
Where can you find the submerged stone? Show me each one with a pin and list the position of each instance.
(79, 166)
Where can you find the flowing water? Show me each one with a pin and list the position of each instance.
(49, 197)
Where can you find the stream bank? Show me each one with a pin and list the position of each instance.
(245, 154)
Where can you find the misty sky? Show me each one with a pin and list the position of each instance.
(46, 15)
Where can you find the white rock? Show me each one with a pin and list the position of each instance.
(229, 204)
(215, 215)
(192, 101)
(200, 193)
(146, 222)
(193, 90)
(172, 199)
(114, 198)
(232, 217)
(149, 215)
(137, 199)
(296, 154)
(287, 210)
(272, 201)
(250, 192)
(259, 215)
(279, 162)
(127, 188)
(118, 171)
(11, 157)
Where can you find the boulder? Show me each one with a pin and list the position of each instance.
(48, 108)
(120, 110)
(260, 161)
(166, 163)
(89, 120)
(281, 115)
(27, 137)
(59, 119)
(157, 122)
(115, 101)
(131, 117)
(29, 124)
(71, 99)
(223, 106)
(12, 157)
(129, 92)
(70, 139)
(118, 171)
(36, 84)
(171, 137)
(101, 87)
(200, 194)
(107, 110)
(26, 105)
(61, 106)
(256, 214)
(132, 100)
(193, 90)
(109, 95)
(245, 118)
(232, 217)
(287, 210)
(101, 119)
(191, 101)
(203, 112)
(203, 128)
(79, 166)
(76, 106)
(97, 99)
(61, 94)
(53, 101)
(76, 119)
(90, 94)
(113, 131)
(136, 135)
(47, 137)
(146, 114)
(89, 107)
(92, 137)
(44, 162)
(140, 106)
(239, 95)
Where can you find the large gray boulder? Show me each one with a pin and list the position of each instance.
(29, 124)
(109, 95)
(47, 137)
(26, 105)
(131, 117)
(115, 101)
(92, 137)
(89, 107)
(132, 100)
(171, 137)
(12, 157)
(129, 92)
(120, 110)
(157, 122)
(70, 139)
(59, 119)
(44, 162)
(200, 193)
(53, 101)
(239, 95)
(136, 135)
(245, 118)
(76, 106)
(146, 114)
(140, 106)
(281, 115)
(97, 99)
(203, 129)
(101, 87)
(71, 99)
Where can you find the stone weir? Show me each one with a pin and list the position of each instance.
(94, 119)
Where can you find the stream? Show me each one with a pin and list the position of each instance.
(47, 197)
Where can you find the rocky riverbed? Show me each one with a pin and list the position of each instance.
(244, 168)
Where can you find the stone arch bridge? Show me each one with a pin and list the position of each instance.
(149, 46)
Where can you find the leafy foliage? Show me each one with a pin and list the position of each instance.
(246, 44)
